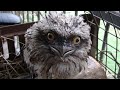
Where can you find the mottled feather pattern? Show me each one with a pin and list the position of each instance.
(46, 63)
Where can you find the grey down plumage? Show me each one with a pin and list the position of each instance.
(57, 48)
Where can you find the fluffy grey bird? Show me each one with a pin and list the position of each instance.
(57, 48)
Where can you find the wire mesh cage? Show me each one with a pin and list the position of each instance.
(105, 36)
(108, 39)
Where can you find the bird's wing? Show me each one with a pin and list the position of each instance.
(93, 71)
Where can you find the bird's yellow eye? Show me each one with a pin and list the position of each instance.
(50, 36)
(76, 40)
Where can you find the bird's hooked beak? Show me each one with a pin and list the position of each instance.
(62, 51)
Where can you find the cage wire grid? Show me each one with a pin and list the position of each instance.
(105, 54)
(106, 38)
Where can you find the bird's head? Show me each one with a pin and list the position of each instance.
(58, 37)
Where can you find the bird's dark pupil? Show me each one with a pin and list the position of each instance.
(50, 36)
(77, 40)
